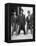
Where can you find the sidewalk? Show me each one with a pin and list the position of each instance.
(22, 36)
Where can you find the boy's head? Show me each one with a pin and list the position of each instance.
(28, 12)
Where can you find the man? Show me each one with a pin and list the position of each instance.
(29, 22)
(14, 22)
(21, 21)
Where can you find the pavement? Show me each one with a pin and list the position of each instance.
(22, 36)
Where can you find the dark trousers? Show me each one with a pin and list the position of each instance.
(14, 28)
(22, 27)
(29, 26)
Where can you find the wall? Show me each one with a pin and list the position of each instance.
(2, 20)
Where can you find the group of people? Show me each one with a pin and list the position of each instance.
(18, 22)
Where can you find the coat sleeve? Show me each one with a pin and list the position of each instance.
(18, 20)
(24, 19)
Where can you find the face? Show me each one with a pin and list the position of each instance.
(14, 13)
(21, 12)
(28, 13)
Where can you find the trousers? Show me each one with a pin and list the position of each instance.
(22, 27)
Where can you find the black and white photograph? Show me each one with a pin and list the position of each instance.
(21, 23)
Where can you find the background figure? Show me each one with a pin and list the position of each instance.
(21, 21)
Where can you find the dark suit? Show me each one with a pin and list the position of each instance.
(21, 22)
(13, 20)
(29, 22)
